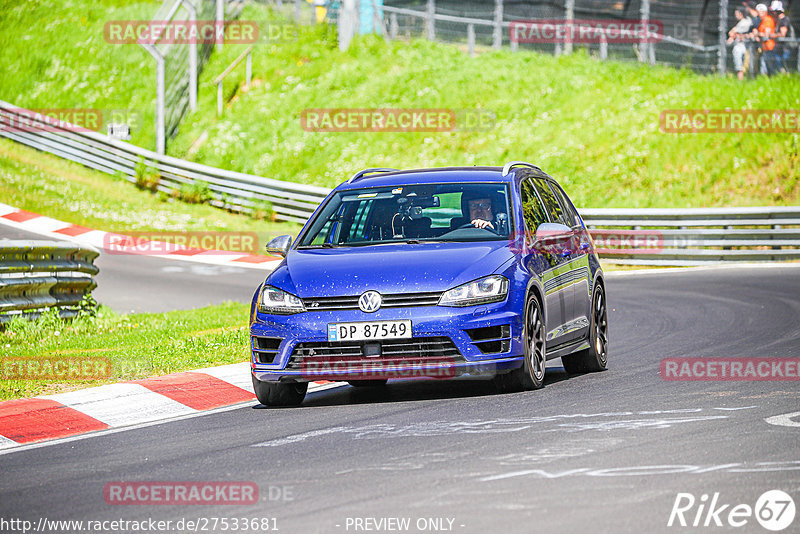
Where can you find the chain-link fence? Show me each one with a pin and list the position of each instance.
(176, 41)
(677, 33)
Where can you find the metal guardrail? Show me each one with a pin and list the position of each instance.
(234, 190)
(695, 236)
(43, 274)
(640, 236)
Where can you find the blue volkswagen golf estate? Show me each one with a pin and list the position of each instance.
(474, 271)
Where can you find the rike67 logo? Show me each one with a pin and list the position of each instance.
(774, 510)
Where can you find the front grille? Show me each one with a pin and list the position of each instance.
(428, 350)
(266, 348)
(388, 301)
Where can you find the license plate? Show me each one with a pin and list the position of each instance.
(365, 331)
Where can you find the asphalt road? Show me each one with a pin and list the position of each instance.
(606, 452)
(129, 283)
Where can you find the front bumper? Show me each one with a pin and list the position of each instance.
(467, 355)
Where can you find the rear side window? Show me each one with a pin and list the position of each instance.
(532, 209)
(570, 213)
(550, 201)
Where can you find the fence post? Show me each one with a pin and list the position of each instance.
(471, 39)
(160, 101)
(723, 34)
(430, 26)
(348, 19)
(192, 58)
(393, 29)
(603, 46)
(644, 15)
(569, 17)
(297, 11)
(497, 40)
(220, 20)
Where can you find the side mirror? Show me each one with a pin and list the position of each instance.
(280, 245)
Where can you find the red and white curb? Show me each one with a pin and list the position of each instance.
(127, 404)
(55, 229)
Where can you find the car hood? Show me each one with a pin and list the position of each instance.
(394, 268)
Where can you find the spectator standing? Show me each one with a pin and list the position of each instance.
(737, 35)
(764, 34)
(782, 31)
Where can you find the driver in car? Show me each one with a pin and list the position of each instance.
(480, 213)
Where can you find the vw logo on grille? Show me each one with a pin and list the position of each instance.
(370, 301)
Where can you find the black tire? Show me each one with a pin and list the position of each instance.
(595, 358)
(531, 374)
(279, 393)
(367, 383)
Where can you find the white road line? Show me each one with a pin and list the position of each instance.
(6, 443)
(784, 419)
(122, 404)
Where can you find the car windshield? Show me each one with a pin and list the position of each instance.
(411, 213)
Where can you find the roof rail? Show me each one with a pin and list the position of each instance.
(511, 164)
(360, 174)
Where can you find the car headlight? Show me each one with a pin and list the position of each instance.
(274, 300)
(490, 289)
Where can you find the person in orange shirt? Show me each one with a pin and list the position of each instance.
(765, 33)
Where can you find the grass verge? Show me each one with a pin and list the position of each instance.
(134, 346)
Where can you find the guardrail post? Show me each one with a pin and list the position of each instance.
(430, 21)
(776, 227)
(644, 15)
(603, 46)
(569, 17)
(497, 36)
(471, 39)
(722, 64)
(393, 29)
